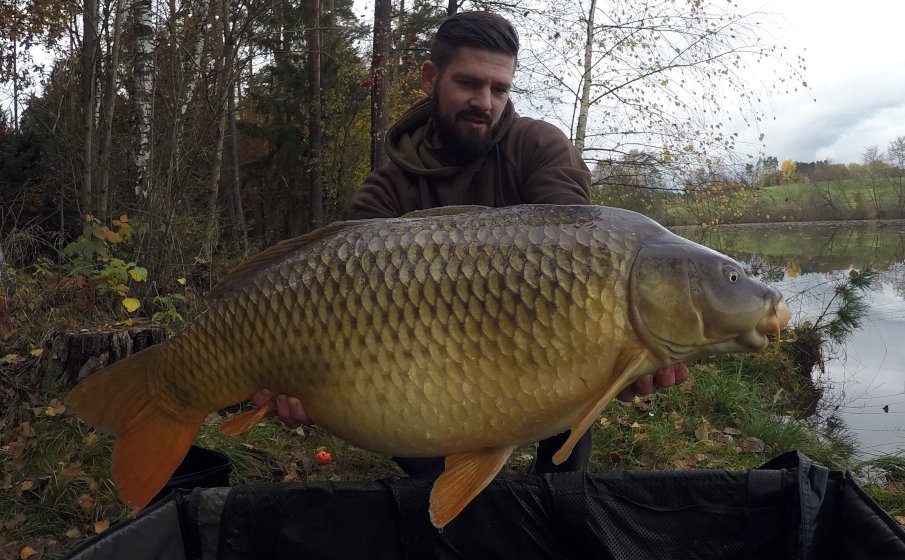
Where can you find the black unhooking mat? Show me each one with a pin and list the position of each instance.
(789, 508)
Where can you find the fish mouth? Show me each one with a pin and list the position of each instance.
(773, 322)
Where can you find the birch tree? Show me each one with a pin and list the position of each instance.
(654, 77)
(143, 94)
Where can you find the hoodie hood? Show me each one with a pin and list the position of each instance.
(412, 145)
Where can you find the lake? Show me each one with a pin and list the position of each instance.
(865, 379)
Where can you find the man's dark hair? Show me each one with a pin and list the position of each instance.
(479, 30)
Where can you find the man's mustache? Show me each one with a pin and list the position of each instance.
(474, 116)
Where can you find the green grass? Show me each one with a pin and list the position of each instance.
(854, 199)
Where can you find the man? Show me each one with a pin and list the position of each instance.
(464, 144)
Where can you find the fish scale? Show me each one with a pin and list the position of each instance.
(458, 332)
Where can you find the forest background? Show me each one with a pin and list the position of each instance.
(219, 128)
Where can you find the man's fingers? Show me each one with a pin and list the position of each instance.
(665, 377)
(289, 409)
(644, 385)
(261, 397)
(681, 372)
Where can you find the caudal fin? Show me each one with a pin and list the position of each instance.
(151, 439)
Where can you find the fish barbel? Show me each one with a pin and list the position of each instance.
(461, 332)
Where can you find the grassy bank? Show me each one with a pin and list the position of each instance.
(855, 199)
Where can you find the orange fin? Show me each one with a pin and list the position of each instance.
(152, 439)
(465, 476)
(246, 421)
(146, 454)
(590, 413)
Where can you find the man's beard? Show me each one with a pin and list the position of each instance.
(462, 146)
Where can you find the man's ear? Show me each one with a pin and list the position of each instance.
(429, 74)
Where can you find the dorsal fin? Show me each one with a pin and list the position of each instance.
(248, 268)
(445, 211)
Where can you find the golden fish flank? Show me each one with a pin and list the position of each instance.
(461, 332)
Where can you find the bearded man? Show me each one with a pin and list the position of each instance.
(465, 144)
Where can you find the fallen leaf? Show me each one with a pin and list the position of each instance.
(27, 552)
(731, 431)
(15, 521)
(73, 533)
(86, 502)
(900, 519)
(647, 460)
(101, 526)
(12, 359)
(37, 352)
(615, 458)
(679, 426)
(27, 485)
(686, 385)
(753, 445)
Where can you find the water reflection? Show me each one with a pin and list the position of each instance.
(865, 378)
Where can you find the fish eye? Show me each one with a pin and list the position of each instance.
(731, 274)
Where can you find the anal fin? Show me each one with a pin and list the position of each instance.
(590, 413)
(465, 476)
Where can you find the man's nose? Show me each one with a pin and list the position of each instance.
(481, 99)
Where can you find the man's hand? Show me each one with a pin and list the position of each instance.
(644, 385)
(289, 409)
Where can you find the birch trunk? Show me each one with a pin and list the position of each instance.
(584, 105)
(143, 74)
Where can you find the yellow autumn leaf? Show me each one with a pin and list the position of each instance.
(101, 526)
(131, 304)
(181, 281)
(73, 533)
(27, 552)
(36, 352)
(11, 359)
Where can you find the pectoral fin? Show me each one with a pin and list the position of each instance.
(465, 476)
(589, 414)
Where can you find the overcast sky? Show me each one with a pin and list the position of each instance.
(856, 72)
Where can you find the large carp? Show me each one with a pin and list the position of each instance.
(461, 332)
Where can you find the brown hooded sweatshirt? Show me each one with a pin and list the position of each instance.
(530, 162)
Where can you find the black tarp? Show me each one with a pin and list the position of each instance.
(787, 509)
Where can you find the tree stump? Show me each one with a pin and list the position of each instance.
(74, 356)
